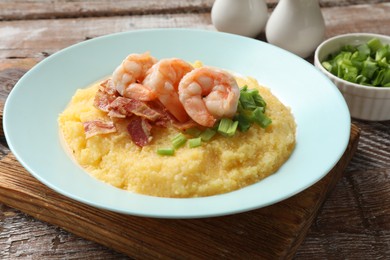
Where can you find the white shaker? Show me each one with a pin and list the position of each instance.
(243, 17)
(297, 26)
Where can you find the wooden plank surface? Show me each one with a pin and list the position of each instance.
(27, 10)
(40, 38)
(273, 232)
(42, 9)
(353, 222)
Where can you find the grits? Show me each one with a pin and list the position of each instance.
(221, 165)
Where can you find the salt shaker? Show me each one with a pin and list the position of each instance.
(243, 17)
(297, 26)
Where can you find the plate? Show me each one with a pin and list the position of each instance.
(32, 108)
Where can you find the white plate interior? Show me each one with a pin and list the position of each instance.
(33, 106)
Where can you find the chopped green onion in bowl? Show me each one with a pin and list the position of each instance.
(366, 64)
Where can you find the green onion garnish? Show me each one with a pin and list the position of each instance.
(227, 127)
(166, 151)
(195, 142)
(244, 122)
(366, 64)
(260, 118)
(251, 109)
(207, 134)
(246, 100)
(178, 140)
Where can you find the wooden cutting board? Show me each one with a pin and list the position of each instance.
(272, 232)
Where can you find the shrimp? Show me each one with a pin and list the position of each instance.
(163, 78)
(209, 94)
(128, 76)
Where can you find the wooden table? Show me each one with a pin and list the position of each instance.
(354, 221)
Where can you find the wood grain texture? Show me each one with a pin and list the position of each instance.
(30, 10)
(374, 147)
(41, 9)
(272, 232)
(359, 18)
(354, 220)
(37, 39)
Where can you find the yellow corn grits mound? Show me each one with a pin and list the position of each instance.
(218, 166)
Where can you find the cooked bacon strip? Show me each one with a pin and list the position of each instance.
(105, 96)
(113, 113)
(139, 129)
(143, 115)
(108, 86)
(165, 119)
(97, 127)
(129, 106)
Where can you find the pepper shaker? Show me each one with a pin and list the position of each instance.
(243, 17)
(297, 26)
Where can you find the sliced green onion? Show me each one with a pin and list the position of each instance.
(374, 44)
(382, 78)
(259, 101)
(364, 51)
(327, 65)
(249, 102)
(233, 128)
(367, 63)
(227, 127)
(246, 100)
(383, 62)
(207, 134)
(379, 77)
(166, 151)
(250, 98)
(382, 53)
(195, 142)
(369, 68)
(260, 118)
(386, 78)
(178, 140)
(350, 72)
(243, 122)
(359, 56)
(361, 79)
(224, 126)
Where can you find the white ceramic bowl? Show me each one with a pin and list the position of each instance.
(364, 102)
